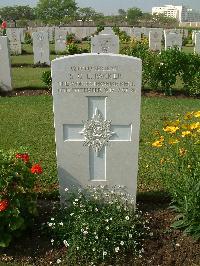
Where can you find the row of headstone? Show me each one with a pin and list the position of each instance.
(79, 32)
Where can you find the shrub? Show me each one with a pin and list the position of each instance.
(70, 38)
(27, 38)
(123, 36)
(74, 49)
(46, 78)
(150, 62)
(17, 199)
(98, 226)
(181, 169)
(190, 74)
(172, 62)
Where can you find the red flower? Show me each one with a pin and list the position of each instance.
(23, 156)
(36, 169)
(3, 205)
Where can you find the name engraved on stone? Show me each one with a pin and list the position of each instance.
(92, 81)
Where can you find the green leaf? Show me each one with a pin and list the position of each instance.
(16, 223)
(5, 239)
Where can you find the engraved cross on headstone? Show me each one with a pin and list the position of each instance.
(97, 133)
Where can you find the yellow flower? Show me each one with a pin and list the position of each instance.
(186, 133)
(182, 151)
(158, 143)
(194, 126)
(197, 114)
(162, 161)
(188, 115)
(171, 129)
(173, 141)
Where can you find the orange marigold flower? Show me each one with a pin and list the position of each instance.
(4, 205)
(23, 156)
(36, 169)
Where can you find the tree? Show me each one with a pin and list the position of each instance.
(48, 10)
(164, 21)
(17, 12)
(133, 14)
(122, 13)
(88, 13)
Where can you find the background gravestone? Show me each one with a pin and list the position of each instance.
(14, 36)
(137, 33)
(22, 34)
(155, 38)
(60, 40)
(41, 48)
(173, 39)
(197, 43)
(105, 43)
(5, 70)
(97, 119)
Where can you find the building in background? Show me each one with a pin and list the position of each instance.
(181, 13)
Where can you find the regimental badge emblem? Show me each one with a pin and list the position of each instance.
(97, 132)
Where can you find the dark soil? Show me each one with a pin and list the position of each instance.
(25, 92)
(166, 247)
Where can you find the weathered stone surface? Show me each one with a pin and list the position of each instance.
(41, 48)
(5, 69)
(97, 120)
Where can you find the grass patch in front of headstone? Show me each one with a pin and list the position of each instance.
(28, 77)
(26, 60)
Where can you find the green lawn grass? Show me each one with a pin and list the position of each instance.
(28, 121)
(27, 77)
(26, 59)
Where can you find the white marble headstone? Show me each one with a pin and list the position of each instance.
(105, 42)
(137, 33)
(155, 38)
(173, 39)
(14, 36)
(197, 43)
(41, 48)
(186, 33)
(128, 30)
(22, 34)
(97, 119)
(60, 40)
(107, 30)
(5, 69)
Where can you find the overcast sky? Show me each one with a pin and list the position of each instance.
(111, 6)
